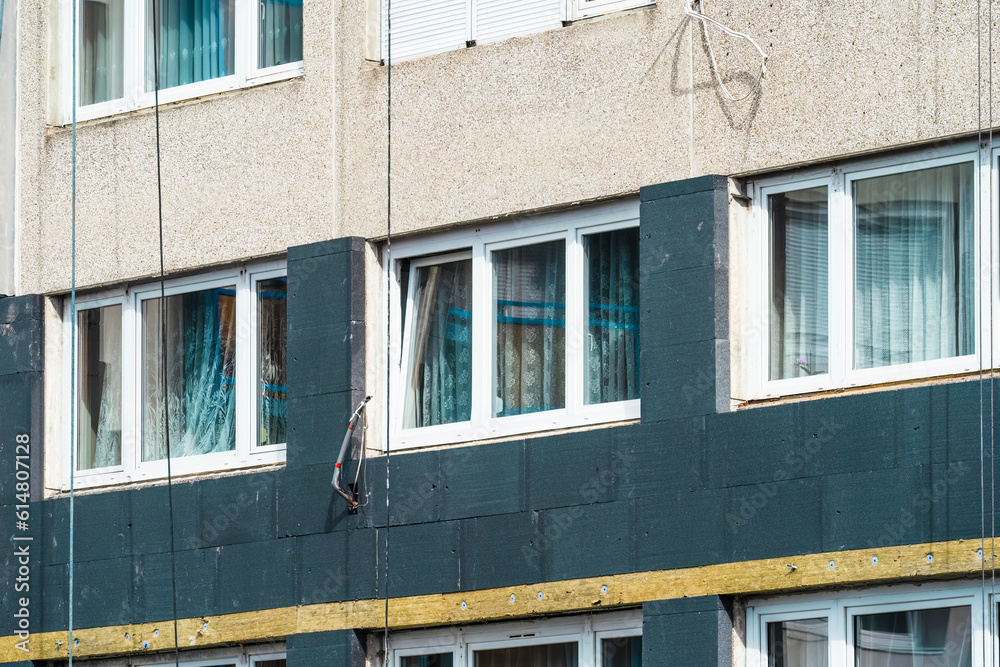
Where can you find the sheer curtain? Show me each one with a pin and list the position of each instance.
(100, 398)
(913, 291)
(101, 50)
(925, 638)
(530, 294)
(799, 643)
(196, 41)
(439, 382)
(612, 364)
(547, 655)
(280, 32)
(799, 329)
(200, 374)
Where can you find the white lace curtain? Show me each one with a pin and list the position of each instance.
(530, 293)
(913, 291)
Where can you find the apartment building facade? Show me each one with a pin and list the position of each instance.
(676, 355)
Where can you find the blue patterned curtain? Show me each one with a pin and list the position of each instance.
(201, 369)
(196, 40)
(612, 365)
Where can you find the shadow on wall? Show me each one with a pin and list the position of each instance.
(740, 111)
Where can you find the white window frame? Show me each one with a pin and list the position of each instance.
(838, 181)
(227, 657)
(840, 609)
(247, 454)
(463, 641)
(134, 94)
(570, 226)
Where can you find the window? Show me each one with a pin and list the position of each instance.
(613, 639)
(422, 29)
(259, 655)
(525, 326)
(865, 274)
(903, 626)
(205, 47)
(131, 388)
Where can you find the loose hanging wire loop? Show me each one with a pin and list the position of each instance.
(693, 13)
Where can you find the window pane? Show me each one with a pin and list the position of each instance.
(926, 638)
(435, 660)
(439, 378)
(799, 344)
(200, 374)
(280, 32)
(99, 409)
(270, 663)
(800, 643)
(272, 329)
(529, 284)
(548, 655)
(913, 289)
(196, 41)
(612, 365)
(621, 652)
(101, 45)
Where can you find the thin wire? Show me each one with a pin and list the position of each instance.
(72, 353)
(163, 324)
(987, 613)
(989, 220)
(690, 11)
(388, 306)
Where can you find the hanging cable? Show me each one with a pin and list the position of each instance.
(989, 612)
(388, 307)
(690, 11)
(989, 222)
(163, 324)
(72, 343)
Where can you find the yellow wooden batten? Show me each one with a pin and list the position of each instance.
(772, 575)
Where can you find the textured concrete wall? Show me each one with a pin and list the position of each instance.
(245, 174)
(609, 106)
(583, 112)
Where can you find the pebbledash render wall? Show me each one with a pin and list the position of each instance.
(684, 514)
(245, 174)
(596, 109)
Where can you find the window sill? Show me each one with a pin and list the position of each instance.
(744, 404)
(145, 483)
(558, 430)
(181, 96)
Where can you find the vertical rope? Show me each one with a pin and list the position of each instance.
(163, 324)
(982, 351)
(989, 222)
(72, 352)
(388, 308)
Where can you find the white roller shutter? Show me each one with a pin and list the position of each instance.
(423, 27)
(500, 19)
